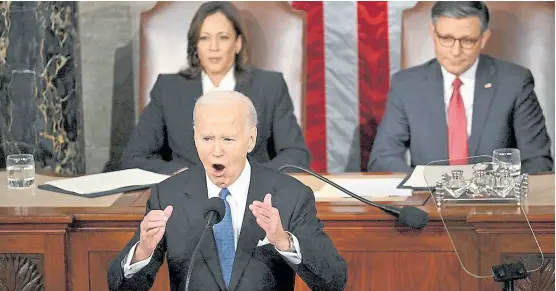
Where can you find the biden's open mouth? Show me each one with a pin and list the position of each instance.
(218, 169)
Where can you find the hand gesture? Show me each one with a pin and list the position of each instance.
(152, 228)
(269, 220)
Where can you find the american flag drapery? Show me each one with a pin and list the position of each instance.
(352, 50)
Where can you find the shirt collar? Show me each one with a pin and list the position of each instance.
(467, 77)
(227, 83)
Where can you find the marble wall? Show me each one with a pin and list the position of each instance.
(68, 79)
(109, 38)
(40, 84)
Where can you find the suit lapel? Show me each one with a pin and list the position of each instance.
(194, 91)
(251, 232)
(246, 89)
(210, 254)
(439, 128)
(196, 190)
(482, 101)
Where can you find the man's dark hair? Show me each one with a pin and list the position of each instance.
(461, 9)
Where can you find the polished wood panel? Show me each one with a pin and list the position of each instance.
(39, 255)
(87, 252)
(77, 244)
(92, 250)
(381, 265)
(98, 262)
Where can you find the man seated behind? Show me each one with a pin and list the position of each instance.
(461, 103)
(270, 230)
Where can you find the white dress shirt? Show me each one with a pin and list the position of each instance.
(228, 83)
(237, 200)
(467, 91)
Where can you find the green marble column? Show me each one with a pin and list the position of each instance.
(40, 85)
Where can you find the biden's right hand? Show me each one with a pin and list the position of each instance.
(152, 228)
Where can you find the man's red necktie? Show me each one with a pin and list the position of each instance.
(457, 128)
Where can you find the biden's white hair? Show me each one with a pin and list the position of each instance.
(225, 98)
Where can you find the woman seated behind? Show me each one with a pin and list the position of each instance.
(163, 139)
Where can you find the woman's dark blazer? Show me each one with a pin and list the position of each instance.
(163, 138)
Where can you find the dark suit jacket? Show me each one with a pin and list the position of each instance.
(255, 268)
(506, 115)
(163, 139)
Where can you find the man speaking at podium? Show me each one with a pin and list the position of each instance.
(270, 230)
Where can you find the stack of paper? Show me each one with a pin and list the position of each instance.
(105, 183)
(384, 189)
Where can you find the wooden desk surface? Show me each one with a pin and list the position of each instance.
(130, 206)
(35, 197)
(77, 243)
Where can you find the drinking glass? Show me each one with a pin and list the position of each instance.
(21, 171)
(508, 158)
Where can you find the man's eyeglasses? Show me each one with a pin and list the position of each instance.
(448, 41)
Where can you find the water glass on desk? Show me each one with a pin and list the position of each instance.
(21, 171)
(509, 159)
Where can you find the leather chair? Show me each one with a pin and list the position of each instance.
(275, 31)
(522, 33)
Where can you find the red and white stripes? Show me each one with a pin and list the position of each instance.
(352, 50)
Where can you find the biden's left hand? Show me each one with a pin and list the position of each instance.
(269, 220)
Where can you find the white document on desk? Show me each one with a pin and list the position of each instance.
(108, 181)
(427, 176)
(366, 187)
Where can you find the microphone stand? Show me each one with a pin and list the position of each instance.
(407, 215)
(331, 183)
(190, 269)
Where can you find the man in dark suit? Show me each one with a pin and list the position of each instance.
(462, 103)
(250, 248)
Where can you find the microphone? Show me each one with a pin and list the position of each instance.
(214, 213)
(408, 215)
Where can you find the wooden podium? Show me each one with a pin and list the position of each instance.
(64, 242)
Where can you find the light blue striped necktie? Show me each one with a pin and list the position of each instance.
(224, 236)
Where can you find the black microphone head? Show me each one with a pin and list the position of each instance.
(217, 206)
(413, 217)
